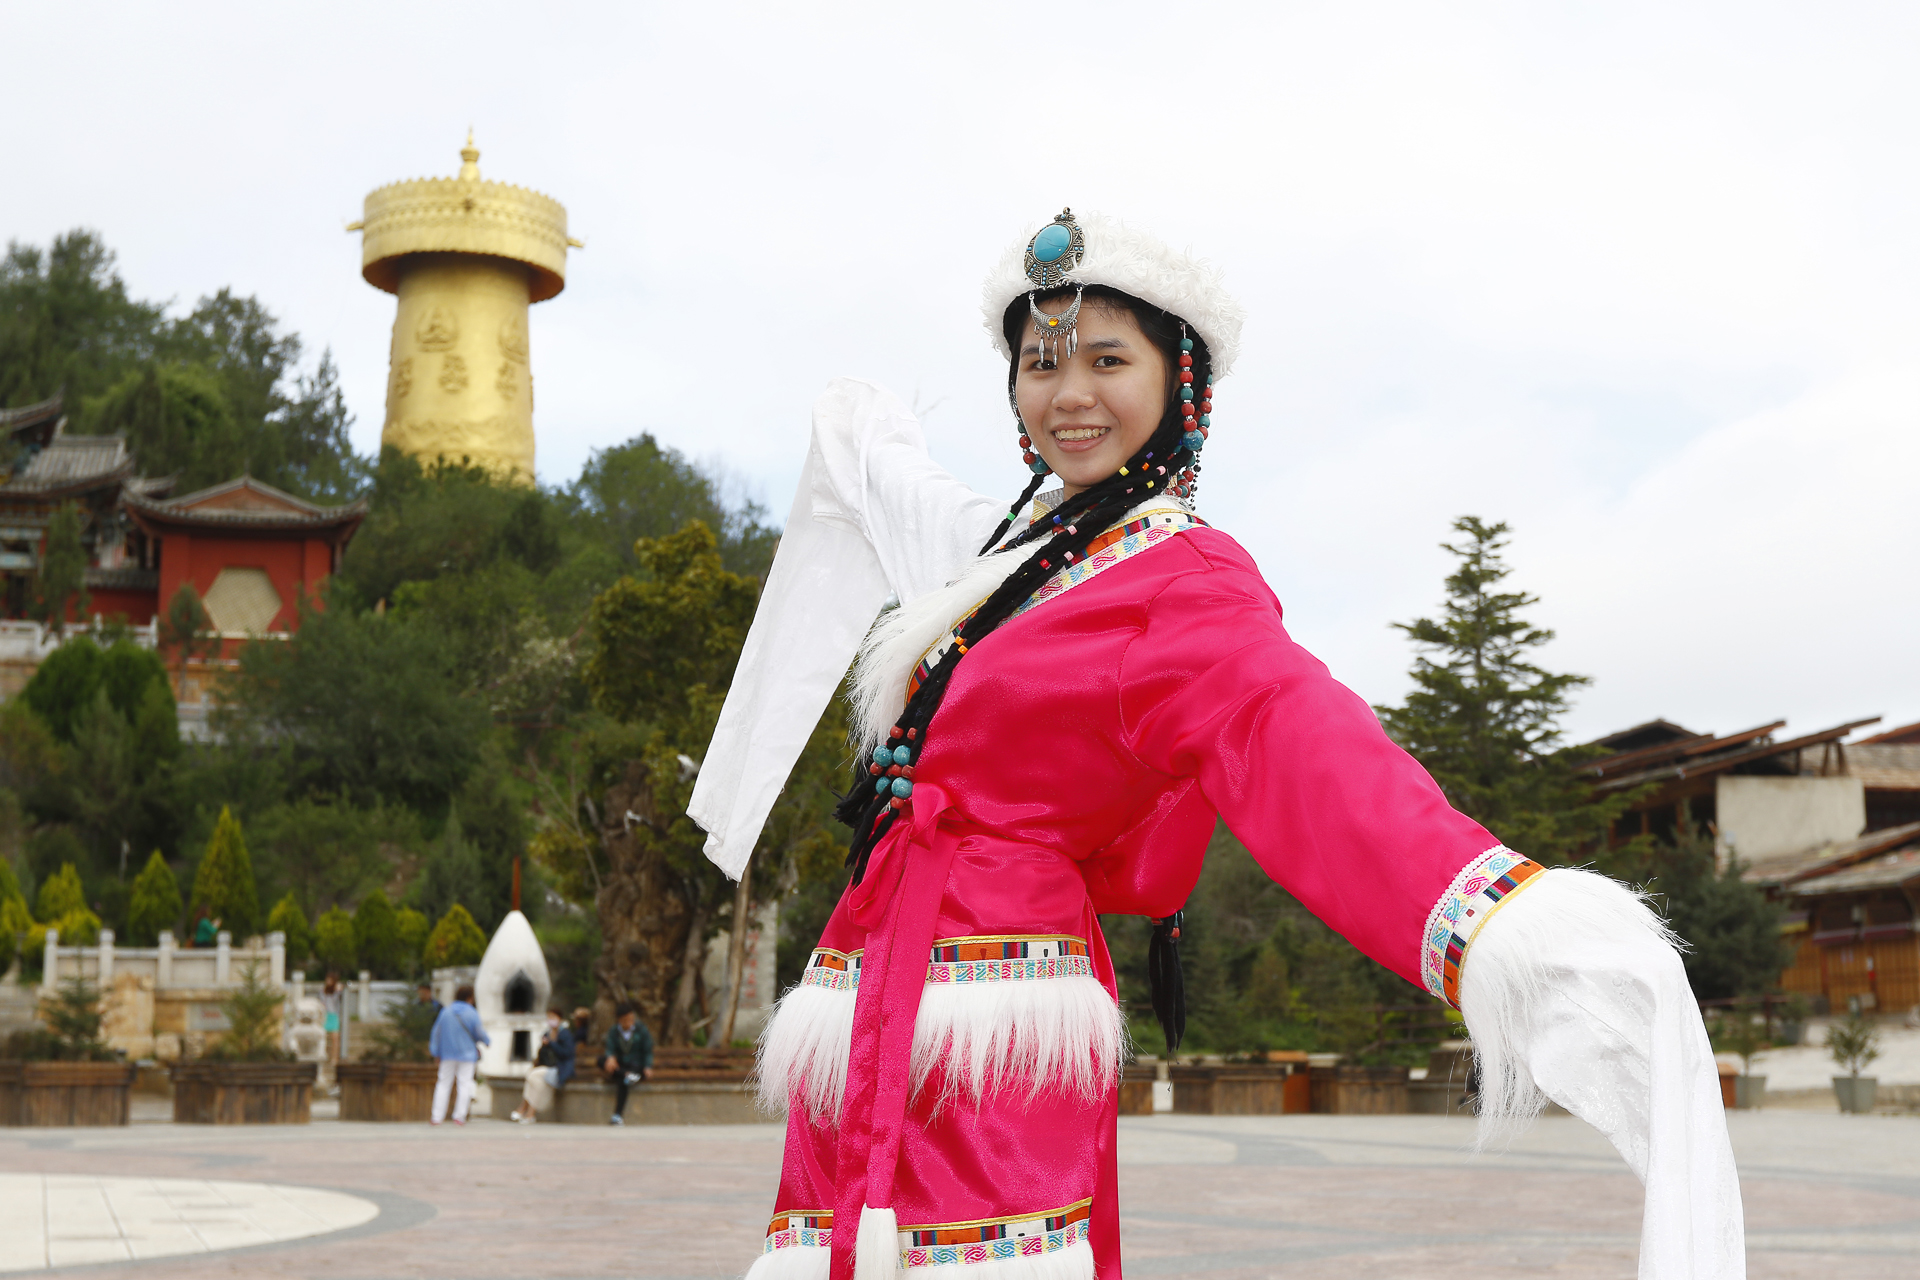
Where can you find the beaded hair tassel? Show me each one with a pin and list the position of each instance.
(1198, 427)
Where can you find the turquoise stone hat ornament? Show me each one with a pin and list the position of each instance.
(1055, 250)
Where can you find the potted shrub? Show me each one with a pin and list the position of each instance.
(1854, 1042)
(247, 1077)
(1792, 1013)
(1739, 1032)
(64, 1073)
(394, 1079)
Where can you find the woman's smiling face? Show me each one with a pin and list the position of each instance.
(1089, 413)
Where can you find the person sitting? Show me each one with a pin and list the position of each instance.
(455, 1041)
(425, 995)
(629, 1056)
(582, 1027)
(552, 1068)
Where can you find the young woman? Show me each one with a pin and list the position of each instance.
(1049, 723)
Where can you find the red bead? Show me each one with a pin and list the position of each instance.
(1045, 565)
(894, 732)
(1027, 458)
(1026, 442)
(1186, 408)
(1186, 375)
(899, 803)
(893, 771)
(1206, 406)
(912, 734)
(1186, 359)
(874, 769)
(906, 772)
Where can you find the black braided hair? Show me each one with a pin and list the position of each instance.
(1063, 537)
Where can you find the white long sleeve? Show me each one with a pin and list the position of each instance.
(1572, 991)
(873, 514)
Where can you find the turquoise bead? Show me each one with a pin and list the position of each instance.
(883, 755)
(1186, 344)
(881, 787)
(1186, 393)
(902, 788)
(1038, 467)
(903, 755)
(1206, 419)
(1051, 243)
(1193, 440)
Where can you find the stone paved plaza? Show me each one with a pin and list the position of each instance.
(1340, 1197)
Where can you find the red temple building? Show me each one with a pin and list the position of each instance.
(250, 551)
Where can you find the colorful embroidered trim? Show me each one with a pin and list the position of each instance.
(992, 1240)
(834, 970)
(1109, 549)
(809, 1227)
(1014, 958)
(1474, 895)
(996, 958)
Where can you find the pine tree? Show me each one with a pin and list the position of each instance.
(333, 941)
(376, 935)
(288, 919)
(224, 885)
(452, 871)
(154, 904)
(1485, 720)
(61, 895)
(62, 582)
(253, 1031)
(413, 928)
(1734, 947)
(455, 941)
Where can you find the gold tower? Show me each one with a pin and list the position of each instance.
(466, 259)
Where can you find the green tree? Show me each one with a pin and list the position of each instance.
(253, 1031)
(288, 919)
(66, 320)
(177, 420)
(60, 587)
(376, 936)
(412, 927)
(369, 705)
(1485, 719)
(61, 894)
(1732, 931)
(333, 940)
(65, 686)
(455, 941)
(223, 885)
(73, 1018)
(155, 905)
(326, 850)
(185, 625)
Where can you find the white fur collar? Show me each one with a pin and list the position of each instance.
(900, 637)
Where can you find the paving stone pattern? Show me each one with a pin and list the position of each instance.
(1299, 1197)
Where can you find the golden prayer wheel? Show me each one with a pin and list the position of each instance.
(466, 258)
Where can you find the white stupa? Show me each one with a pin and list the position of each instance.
(511, 994)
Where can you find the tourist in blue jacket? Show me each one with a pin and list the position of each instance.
(551, 1070)
(455, 1042)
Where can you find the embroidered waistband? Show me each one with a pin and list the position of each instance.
(992, 1239)
(949, 1243)
(810, 1227)
(991, 958)
(1475, 894)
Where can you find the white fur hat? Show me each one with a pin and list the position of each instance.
(1134, 262)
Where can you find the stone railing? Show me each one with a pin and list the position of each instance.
(167, 965)
(25, 641)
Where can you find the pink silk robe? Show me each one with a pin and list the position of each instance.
(1075, 768)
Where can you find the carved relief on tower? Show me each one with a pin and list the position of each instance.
(438, 330)
(506, 382)
(402, 378)
(513, 339)
(453, 375)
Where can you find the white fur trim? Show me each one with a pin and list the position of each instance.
(1509, 973)
(991, 1036)
(796, 1262)
(876, 1250)
(1135, 262)
(1075, 1262)
(804, 1051)
(900, 637)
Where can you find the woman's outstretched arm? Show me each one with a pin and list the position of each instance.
(874, 515)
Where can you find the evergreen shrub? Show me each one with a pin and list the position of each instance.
(455, 941)
(333, 941)
(376, 935)
(155, 904)
(287, 918)
(224, 885)
(413, 928)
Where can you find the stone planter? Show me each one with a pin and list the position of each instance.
(388, 1091)
(1749, 1092)
(64, 1093)
(587, 1101)
(1229, 1089)
(1136, 1090)
(1361, 1091)
(1856, 1093)
(243, 1092)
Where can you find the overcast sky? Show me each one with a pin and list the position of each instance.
(1639, 279)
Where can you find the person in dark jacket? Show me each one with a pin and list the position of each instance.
(629, 1056)
(552, 1070)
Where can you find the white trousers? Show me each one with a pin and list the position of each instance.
(538, 1090)
(452, 1073)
